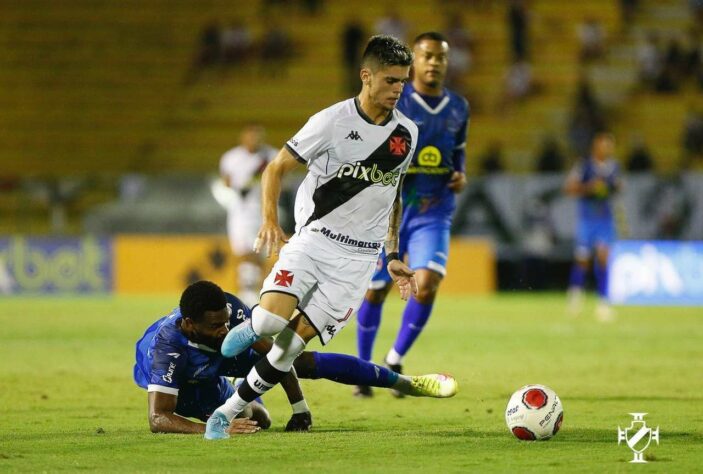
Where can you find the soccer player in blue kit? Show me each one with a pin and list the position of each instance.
(594, 181)
(178, 361)
(435, 175)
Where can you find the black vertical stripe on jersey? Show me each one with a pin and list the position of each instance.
(337, 191)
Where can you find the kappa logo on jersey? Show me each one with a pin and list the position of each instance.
(354, 135)
(369, 173)
(398, 146)
(283, 278)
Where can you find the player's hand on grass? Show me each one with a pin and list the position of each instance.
(243, 426)
(300, 422)
(457, 182)
(404, 277)
(271, 237)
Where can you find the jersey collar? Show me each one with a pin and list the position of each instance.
(443, 103)
(363, 115)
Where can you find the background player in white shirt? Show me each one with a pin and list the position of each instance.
(239, 192)
(356, 152)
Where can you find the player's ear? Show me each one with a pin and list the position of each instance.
(365, 75)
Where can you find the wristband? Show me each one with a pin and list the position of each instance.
(300, 407)
(392, 256)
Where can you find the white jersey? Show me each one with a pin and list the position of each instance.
(354, 167)
(243, 168)
(243, 171)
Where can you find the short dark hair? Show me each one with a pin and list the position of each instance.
(430, 36)
(199, 297)
(384, 51)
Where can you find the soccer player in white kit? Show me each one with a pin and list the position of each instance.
(356, 152)
(241, 169)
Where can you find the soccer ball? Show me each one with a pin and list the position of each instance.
(534, 412)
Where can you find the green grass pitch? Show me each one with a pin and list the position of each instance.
(69, 404)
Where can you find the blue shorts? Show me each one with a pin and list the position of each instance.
(590, 235)
(200, 400)
(427, 247)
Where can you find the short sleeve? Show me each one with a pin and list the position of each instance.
(167, 367)
(312, 140)
(239, 312)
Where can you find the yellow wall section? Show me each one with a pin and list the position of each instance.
(471, 268)
(164, 264)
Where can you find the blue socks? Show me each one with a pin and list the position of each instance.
(351, 370)
(601, 273)
(578, 277)
(415, 317)
(368, 320)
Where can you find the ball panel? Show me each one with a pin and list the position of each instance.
(523, 433)
(557, 424)
(535, 398)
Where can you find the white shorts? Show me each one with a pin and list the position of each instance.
(329, 289)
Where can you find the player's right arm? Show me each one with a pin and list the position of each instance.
(303, 149)
(163, 418)
(271, 236)
(574, 186)
(167, 368)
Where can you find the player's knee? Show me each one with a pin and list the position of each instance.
(376, 296)
(426, 294)
(304, 365)
(286, 348)
(265, 323)
(427, 286)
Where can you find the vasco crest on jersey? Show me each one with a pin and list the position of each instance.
(398, 145)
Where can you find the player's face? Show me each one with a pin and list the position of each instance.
(431, 61)
(211, 329)
(603, 147)
(252, 138)
(386, 84)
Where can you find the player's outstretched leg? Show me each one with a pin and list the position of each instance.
(350, 370)
(433, 385)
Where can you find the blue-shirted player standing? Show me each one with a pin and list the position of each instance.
(594, 181)
(179, 362)
(436, 174)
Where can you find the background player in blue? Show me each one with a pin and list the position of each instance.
(178, 361)
(594, 181)
(436, 173)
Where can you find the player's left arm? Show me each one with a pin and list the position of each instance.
(401, 273)
(457, 182)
